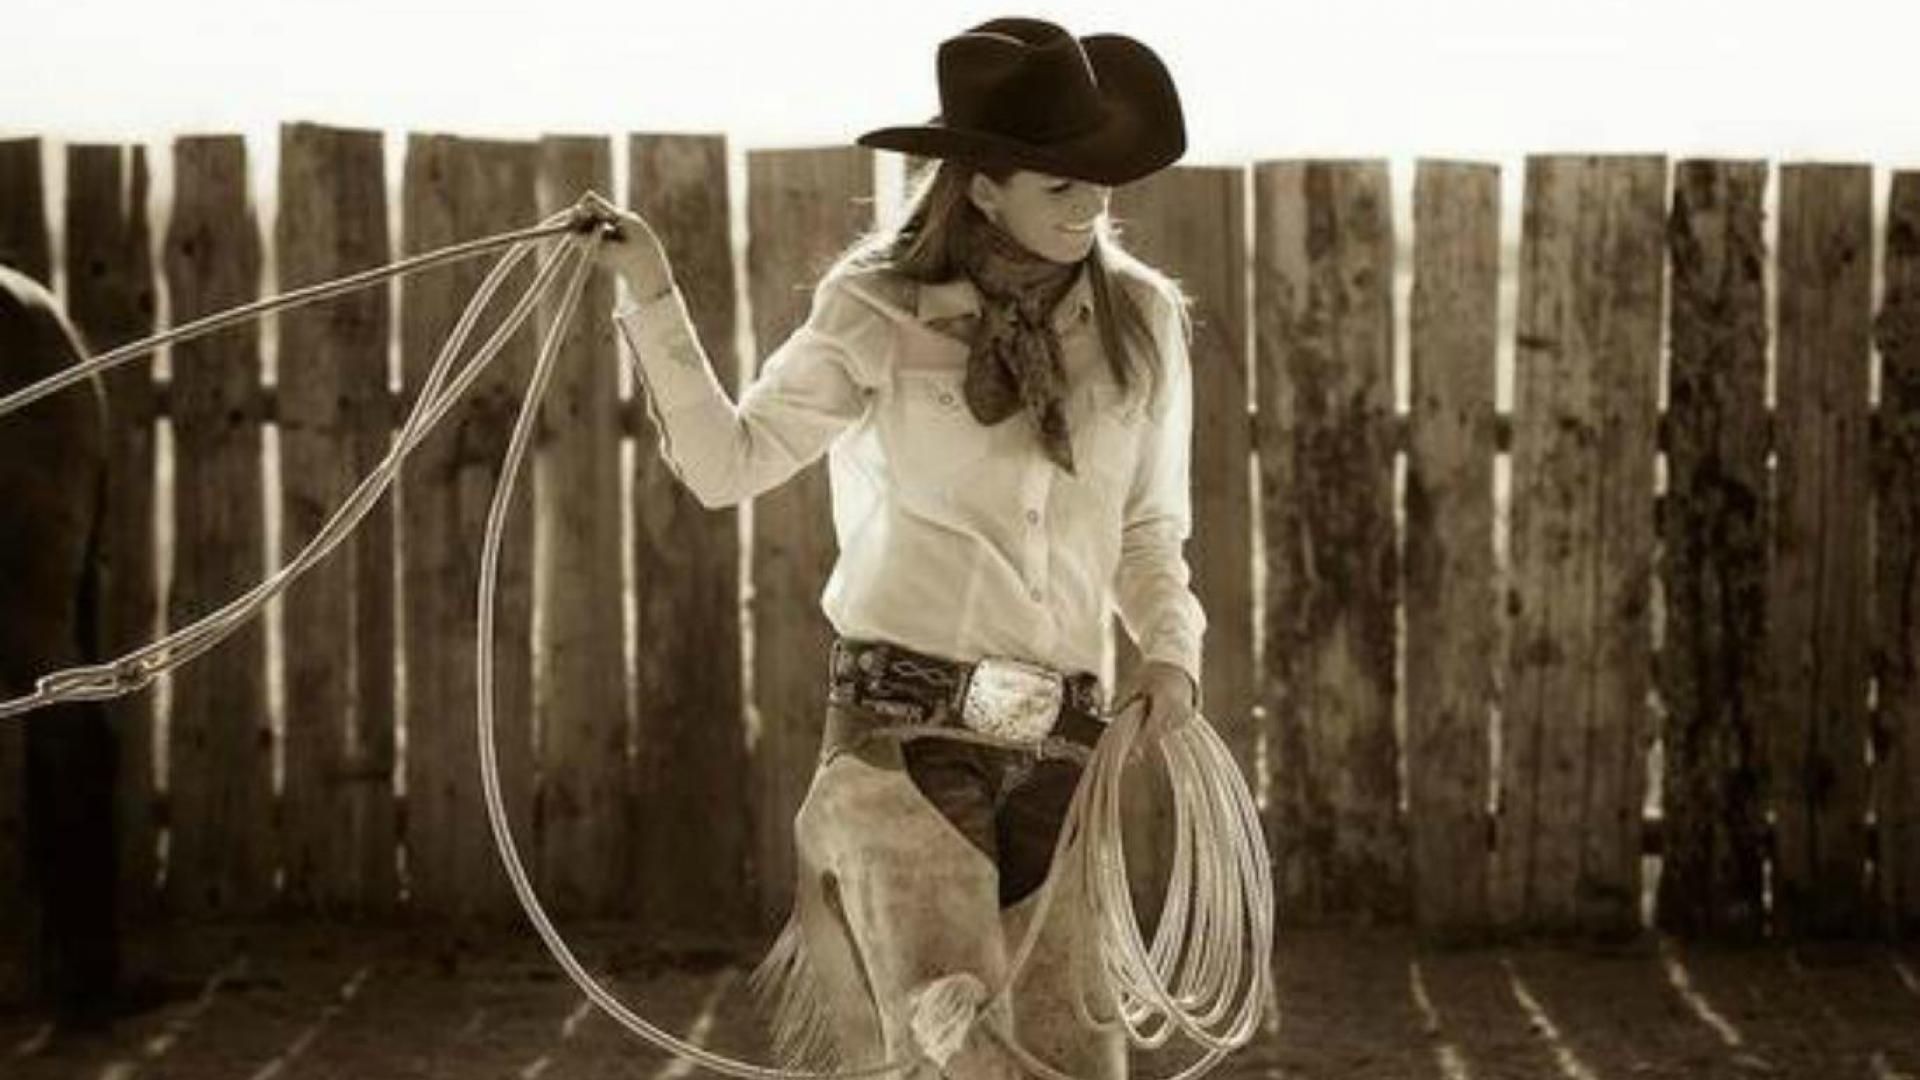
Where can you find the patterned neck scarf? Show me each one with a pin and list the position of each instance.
(1015, 359)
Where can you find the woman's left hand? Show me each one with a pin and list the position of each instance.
(1166, 692)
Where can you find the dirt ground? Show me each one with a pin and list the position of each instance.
(265, 1002)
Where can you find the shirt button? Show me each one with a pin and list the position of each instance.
(1035, 594)
(946, 397)
(1033, 517)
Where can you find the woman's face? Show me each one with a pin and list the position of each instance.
(1051, 216)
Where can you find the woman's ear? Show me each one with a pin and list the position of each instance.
(985, 195)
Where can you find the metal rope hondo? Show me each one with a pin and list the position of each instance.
(1206, 975)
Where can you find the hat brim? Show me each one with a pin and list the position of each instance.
(1143, 131)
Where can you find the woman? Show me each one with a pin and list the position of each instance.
(1004, 398)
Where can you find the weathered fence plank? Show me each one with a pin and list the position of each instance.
(1897, 577)
(1819, 604)
(338, 819)
(1323, 278)
(459, 189)
(803, 208)
(1575, 710)
(221, 853)
(1450, 590)
(1712, 666)
(581, 710)
(110, 295)
(692, 887)
(25, 243)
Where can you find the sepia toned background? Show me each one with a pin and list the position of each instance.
(1554, 471)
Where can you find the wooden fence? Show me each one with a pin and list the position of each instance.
(1446, 637)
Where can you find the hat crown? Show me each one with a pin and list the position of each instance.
(1024, 78)
(1023, 93)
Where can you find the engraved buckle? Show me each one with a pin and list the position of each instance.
(1012, 699)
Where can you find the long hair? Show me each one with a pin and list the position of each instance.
(920, 245)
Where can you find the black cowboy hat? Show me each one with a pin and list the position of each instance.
(1025, 93)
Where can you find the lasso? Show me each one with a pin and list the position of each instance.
(1207, 973)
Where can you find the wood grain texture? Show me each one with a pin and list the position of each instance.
(25, 242)
(111, 297)
(581, 708)
(1897, 566)
(221, 851)
(1712, 666)
(803, 208)
(1451, 602)
(1323, 272)
(459, 189)
(691, 885)
(1819, 606)
(334, 428)
(1573, 739)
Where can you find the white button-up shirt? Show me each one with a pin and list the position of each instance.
(956, 539)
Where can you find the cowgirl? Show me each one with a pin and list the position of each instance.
(1003, 396)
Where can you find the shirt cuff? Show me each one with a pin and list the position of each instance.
(1184, 654)
(660, 335)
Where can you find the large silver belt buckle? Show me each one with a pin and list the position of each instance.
(1012, 699)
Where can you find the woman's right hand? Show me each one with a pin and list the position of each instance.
(631, 249)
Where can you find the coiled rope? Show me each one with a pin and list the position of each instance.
(1206, 975)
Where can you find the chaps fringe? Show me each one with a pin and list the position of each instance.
(788, 993)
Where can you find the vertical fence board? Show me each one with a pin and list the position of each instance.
(692, 744)
(1714, 534)
(581, 712)
(1190, 223)
(803, 208)
(459, 189)
(1450, 591)
(1323, 293)
(25, 244)
(1818, 617)
(22, 235)
(1575, 711)
(110, 294)
(1612, 828)
(220, 855)
(338, 830)
(1897, 580)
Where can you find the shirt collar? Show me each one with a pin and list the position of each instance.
(948, 299)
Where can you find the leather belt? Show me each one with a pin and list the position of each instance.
(1003, 701)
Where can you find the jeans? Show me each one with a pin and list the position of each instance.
(1007, 803)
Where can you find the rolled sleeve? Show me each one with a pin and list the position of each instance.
(1152, 584)
(808, 391)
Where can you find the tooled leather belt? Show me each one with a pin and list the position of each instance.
(910, 690)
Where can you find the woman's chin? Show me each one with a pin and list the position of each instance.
(1070, 248)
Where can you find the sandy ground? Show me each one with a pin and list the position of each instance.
(265, 1002)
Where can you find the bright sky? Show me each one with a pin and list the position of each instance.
(1830, 79)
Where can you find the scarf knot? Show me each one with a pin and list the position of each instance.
(1015, 360)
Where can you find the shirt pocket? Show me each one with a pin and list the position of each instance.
(1106, 424)
(931, 437)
